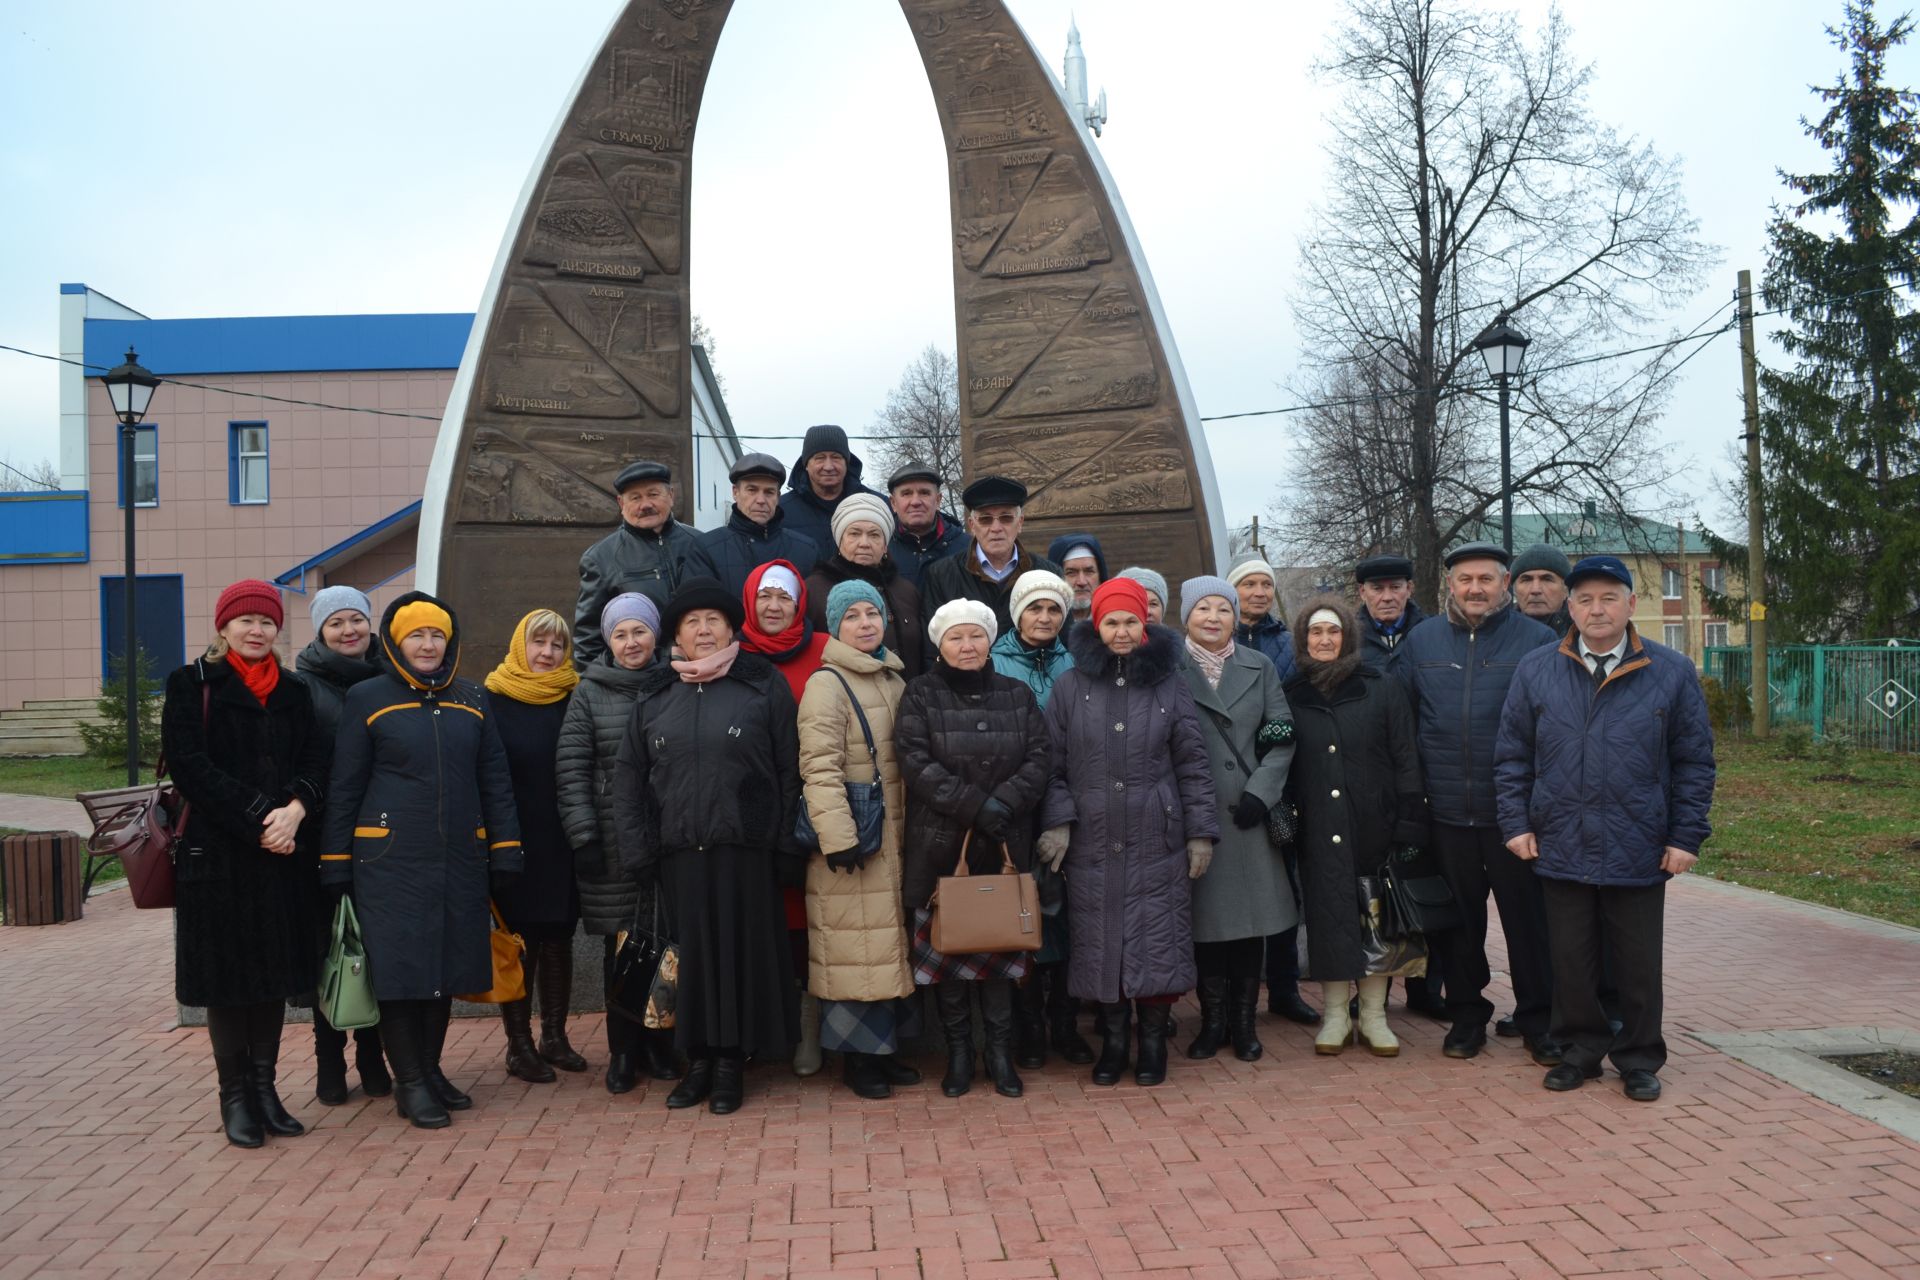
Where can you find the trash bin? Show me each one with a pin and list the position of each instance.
(42, 876)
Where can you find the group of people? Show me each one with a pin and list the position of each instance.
(771, 741)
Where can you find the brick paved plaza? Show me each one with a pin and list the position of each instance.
(112, 1163)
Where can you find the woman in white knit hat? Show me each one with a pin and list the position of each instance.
(862, 532)
(333, 662)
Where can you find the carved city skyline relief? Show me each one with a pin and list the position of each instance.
(580, 360)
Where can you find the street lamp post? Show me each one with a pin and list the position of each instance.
(131, 389)
(1503, 347)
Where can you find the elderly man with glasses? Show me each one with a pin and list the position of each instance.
(992, 559)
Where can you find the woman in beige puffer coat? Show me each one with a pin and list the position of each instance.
(856, 933)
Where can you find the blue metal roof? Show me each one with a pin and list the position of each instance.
(282, 344)
(400, 521)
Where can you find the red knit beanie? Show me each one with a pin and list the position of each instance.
(1123, 594)
(249, 595)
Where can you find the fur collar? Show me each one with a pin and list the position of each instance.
(1151, 663)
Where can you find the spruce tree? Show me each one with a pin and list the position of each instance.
(1841, 476)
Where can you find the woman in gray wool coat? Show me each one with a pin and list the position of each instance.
(1245, 894)
(610, 899)
(1129, 819)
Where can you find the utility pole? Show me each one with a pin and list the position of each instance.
(1756, 550)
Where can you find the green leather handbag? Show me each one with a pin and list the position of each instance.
(346, 988)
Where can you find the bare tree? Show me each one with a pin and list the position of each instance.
(921, 422)
(40, 475)
(1467, 180)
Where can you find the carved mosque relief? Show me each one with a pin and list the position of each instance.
(580, 360)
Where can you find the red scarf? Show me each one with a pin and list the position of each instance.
(798, 633)
(261, 678)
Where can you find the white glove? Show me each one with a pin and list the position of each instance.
(1199, 857)
(1052, 846)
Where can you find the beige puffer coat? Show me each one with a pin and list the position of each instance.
(856, 935)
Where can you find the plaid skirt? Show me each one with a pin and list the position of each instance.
(930, 966)
(860, 1026)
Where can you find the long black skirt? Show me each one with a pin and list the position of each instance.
(736, 976)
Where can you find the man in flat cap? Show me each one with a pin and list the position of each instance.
(922, 532)
(647, 553)
(985, 568)
(1540, 585)
(1604, 770)
(1388, 611)
(1457, 667)
(825, 473)
(756, 529)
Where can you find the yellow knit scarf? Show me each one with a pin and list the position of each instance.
(514, 679)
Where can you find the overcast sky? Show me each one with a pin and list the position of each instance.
(232, 159)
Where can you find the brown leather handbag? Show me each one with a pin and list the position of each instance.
(986, 913)
(509, 976)
(142, 826)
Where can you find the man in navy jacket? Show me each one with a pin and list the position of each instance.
(1457, 667)
(1605, 775)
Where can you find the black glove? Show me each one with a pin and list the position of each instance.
(1249, 811)
(848, 860)
(500, 883)
(994, 819)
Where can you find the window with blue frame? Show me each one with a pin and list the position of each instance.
(146, 467)
(247, 463)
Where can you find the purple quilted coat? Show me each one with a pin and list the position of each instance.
(1130, 772)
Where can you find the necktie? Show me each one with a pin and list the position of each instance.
(1600, 661)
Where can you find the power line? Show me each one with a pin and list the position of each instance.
(29, 479)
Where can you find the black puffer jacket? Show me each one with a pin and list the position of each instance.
(961, 737)
(628, 559)
(597, 716)
(243, 915)
(327, 676)
(906, 629)
(704, 765)
(1458, 678)
(740, 546)
(422, 810)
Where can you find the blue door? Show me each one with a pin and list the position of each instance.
(159, 620)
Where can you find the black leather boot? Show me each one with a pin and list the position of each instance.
(1063, 1018)
(623, 1053)
(1151, 1068)
(862, 1075)
(374, 1079)
(523, 1062)
(658, 1056)
(694, 1086)
(556, 992)
(403, 1035)
(996, 1017)
(1243, 1007)
(227, 1035)
(729, 1087)
(264, 1024)
(329, 1061)
(1116, 1029)
(1213, 1019)
(436, 1015)
(956, 1023)
(1030, 1023)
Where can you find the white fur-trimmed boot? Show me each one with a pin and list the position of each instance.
(1336, 1028)
(1374, 1030)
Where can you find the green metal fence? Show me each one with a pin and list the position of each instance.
(1870, 692)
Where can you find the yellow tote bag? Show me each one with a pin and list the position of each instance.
(509, 976)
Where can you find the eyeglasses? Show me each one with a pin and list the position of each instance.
(1008, 518)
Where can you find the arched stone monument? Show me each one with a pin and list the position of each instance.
(579, 360)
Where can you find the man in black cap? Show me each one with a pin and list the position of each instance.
(756, 530)
(647, 553)
(992, 559)
(1605, 773)
(825, 473)
(1388, 611)
(922, 532)
(1457, 667)
(1540, 585)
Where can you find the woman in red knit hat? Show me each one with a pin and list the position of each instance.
(242, 748)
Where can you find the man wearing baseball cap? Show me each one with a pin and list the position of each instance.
(647, 553)
(1457, 667)
(1604, 771)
